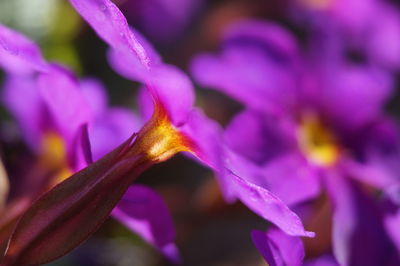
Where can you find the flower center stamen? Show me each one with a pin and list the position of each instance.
(159, 139)
(316, 142)
(54, 156)
(53, 150)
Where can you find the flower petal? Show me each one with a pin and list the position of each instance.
(127, 64)
(263, 33)
(357, 225)
(261, 139)
(143, 211)
(174, 91)
(206, 134)
(164, 82)
(22, 98)
(385, 32)
(241, 74)
(18, 54)
(110, 24)
(380, 149)
(292, 179)
(111, 129)
(81, 154)
(359, 91)
(392, 214)
(252, 53)
(95, 95)
(67, 106)
(265, 204)
(278, 248)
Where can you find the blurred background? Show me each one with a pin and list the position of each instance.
(209, 232)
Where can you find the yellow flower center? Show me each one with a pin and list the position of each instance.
(54, 156)
(317, 143)
(53, 150)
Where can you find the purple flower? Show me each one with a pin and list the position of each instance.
(51, 107)
(70, 212)
(172, 92)
(370, 27)
(311, 123)
(51, 115)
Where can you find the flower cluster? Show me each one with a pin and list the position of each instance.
(313, 127)
(312, 144)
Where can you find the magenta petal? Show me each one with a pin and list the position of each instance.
(392, 215)
(266, 33)
(143, 211)
(355, 14)
(292, 179)
(128, 64)
(18, 54)
(22, 98)
(110, 24)
(359, 91)
(253, 52)
(385, 32)
(262, 137)
(62, 96)
(173, 89)
(268, 206)
(145, 103)
(240, 72)
(357, 225)
(206, 134)
(344, 219)
(95, 95)
(235, 162)
(264, 203)
(278, 248)
(81, 155)
(131, 50)
(167, 85)
(380, 145)
(111, 128)
(373, 172)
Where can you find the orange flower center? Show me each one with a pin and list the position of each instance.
(159, 139)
